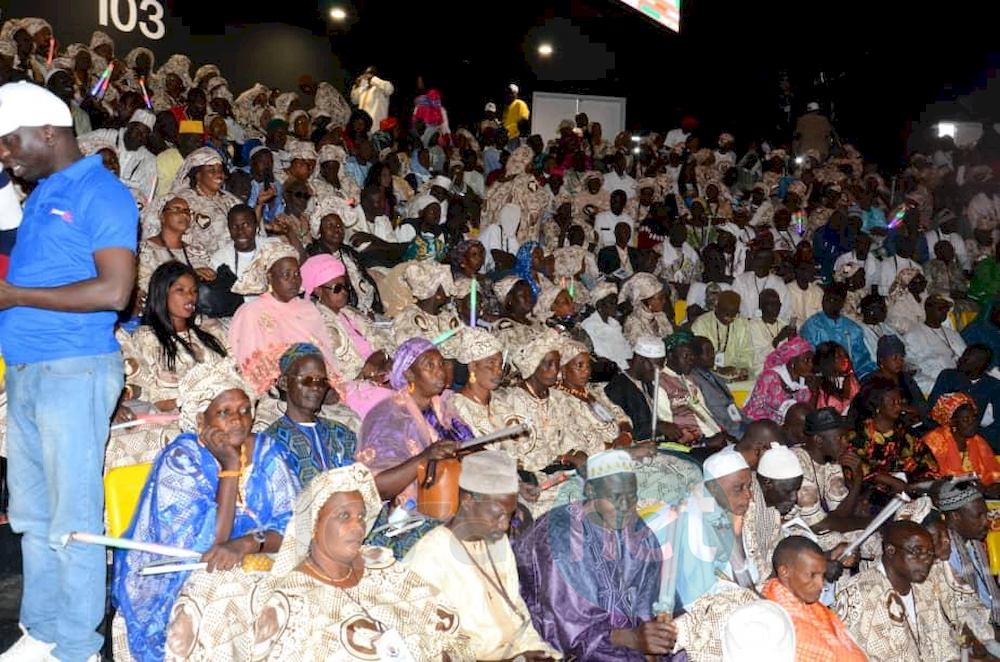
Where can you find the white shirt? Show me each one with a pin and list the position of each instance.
(888, 269)
(609, 341)
(604, 226)
(961, 253)
(10, 207)
(675, 137)
(931, 351)
(613, 182)
(749, 287)
(785, 240)
(137, 167)
(804, 303)
(676, 263)
(697, 292)
(372, 96)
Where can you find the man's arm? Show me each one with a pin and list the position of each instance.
(111, 289)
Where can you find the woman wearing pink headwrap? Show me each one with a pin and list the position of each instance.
(325, 282)
(787, 372)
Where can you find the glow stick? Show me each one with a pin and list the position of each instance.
(472, 302)
(800, 224)
(656, 402)
(100, 80)
(558, 479)
(148, 570)
(444, 336)
(52, 51)
(880, 519)
(133, 545)
(898, 217)
(145, 93)
(146, 419)
(572, 289)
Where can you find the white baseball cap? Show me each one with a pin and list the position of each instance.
(491, 107)
(26, 104)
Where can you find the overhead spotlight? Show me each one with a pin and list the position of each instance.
(545, 50)
(338, 14)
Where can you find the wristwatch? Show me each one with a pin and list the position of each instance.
(261, 538)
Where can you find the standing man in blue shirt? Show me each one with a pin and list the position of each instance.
(72, 267)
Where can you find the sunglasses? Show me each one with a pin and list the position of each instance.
(312, 382)
(335, 289)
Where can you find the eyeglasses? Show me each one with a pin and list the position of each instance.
(335, 289)
(177, 210)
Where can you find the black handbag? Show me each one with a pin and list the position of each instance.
(216, 298)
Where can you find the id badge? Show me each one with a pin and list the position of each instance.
(734, 413)
(391, 648)
(601, 412)
(720, 359)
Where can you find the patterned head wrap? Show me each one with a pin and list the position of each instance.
(948, 404)
(406, 355)
(8, 48)
(305, 516)
(476, 345)
(527, 357)
(678, 339)
(205, 71)
(330, 103)
(461, 287)
(522, 265)
(202, 384)
(786, 351)
(284, 102)
(798, 188)
(179, 65)
(331, 205)
(503, 287)
(254, 279)
(299, 350)
(569, 350)
(640, 287)
(134, 54)
(461, 248)
(329, 153)
(100, 38)
(425, 277)
(543, 305)
(35, 25)
(302, 150)
(602, 290)
(203, 156)
(519, 160)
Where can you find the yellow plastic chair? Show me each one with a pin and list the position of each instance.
(122, 489)
(680, 311)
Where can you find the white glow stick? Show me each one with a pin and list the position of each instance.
(656, 402)
(880, 519)
(166, 569)
(134, 545)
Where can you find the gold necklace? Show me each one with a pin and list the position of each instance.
(576, 392)
(327, 578)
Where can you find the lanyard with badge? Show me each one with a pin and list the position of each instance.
(389, 644)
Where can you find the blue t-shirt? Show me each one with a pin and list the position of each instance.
(70, 216)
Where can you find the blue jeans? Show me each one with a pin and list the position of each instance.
(58, 415)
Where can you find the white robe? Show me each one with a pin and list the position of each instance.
(372, 96)
(749, 287)
(931, 351)
(608, 339)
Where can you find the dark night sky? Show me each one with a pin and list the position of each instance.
(893, 58)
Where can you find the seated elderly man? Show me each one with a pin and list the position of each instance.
(773, 494)
(961, 502)
(590, 571)
(713, 553)
(469, 560)
(820, 636)
(889, 609)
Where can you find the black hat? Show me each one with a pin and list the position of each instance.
(821, 420)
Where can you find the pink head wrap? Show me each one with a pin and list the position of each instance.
(319, 270)
(786, 351)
